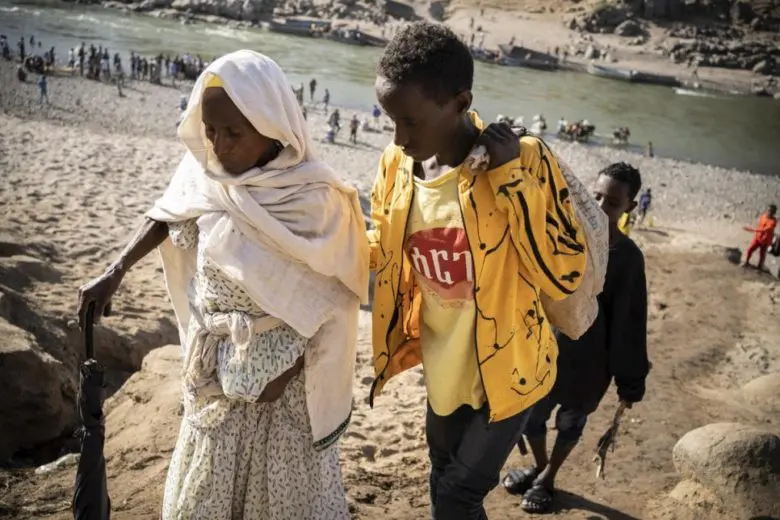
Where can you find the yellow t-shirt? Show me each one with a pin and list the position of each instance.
(626, 223)
(438, 249)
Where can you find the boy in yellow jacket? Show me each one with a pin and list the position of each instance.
(460, 261)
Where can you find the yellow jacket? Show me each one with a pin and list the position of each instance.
(524, 240)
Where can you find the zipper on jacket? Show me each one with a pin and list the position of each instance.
(474, 292)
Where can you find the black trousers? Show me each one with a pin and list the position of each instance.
(467, 454)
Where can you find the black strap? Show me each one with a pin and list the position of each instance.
(88, 331)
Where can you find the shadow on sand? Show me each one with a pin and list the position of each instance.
(566, 501)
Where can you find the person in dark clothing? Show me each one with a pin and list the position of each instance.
(615, 347)
(312, 88)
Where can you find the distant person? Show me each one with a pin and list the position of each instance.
(354, 123)
(614, 347)
(81, 55)
(376, 113)
(763, 236)
(561, 125)
(645, 201)
(312, 88)
(6, 50)
(44, 90)
(334, 121)
(22, 53)
(649, 151)
(326, 100)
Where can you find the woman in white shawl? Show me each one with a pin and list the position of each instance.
(266, 263)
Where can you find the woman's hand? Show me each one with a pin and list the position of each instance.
(99, 292)
(275, 388)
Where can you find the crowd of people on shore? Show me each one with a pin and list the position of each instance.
(99, 64)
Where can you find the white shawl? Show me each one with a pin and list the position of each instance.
(291, 233)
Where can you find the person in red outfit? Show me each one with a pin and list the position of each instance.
(763, 236)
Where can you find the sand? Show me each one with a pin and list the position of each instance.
(79, 174)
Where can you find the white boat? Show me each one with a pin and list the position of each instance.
(610, 73)
(695, 93)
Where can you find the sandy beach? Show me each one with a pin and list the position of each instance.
(78, 174)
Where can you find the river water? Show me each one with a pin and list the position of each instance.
(734, 131)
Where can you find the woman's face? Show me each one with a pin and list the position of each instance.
(236, 143)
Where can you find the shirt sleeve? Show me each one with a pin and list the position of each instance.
(533, 192)
(627, 331)
(184, 234)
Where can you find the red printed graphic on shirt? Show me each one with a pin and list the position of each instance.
(442, 260)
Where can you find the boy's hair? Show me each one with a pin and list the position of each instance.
(624, 172)
(430, 55)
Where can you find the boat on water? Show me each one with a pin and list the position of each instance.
(355, 37)
(610, 72)
(695, 93)
(300, 26)
(514, 56)
(486, 56)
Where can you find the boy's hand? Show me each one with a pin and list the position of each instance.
(501, 144)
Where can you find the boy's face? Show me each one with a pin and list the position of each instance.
(612, 196)
(423, 126)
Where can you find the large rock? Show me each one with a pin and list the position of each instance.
(764, 392)
(142, 424)
(604, 18)
(630, 28)
(739, 464)
(232, 9)
(37, 401)
(254, 10)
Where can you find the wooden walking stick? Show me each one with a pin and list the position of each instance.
(607, 441)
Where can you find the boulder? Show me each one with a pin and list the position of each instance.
(739, 464)
(604, 18)
(254, 10)
(764, 392)
(148, 5)
(762, 67)
(629, 28)
(38, 401)
(232, 9)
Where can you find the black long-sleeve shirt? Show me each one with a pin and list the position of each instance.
(616, 345)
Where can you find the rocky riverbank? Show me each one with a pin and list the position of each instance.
(249, 12)
(742, 38)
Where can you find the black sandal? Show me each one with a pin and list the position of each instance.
(518, 481)
(538, 499)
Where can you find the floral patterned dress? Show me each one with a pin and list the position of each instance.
(253, 460)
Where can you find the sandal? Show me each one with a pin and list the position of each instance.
(518, 481)
(538, 499)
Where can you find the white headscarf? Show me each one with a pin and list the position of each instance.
(290, 233)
